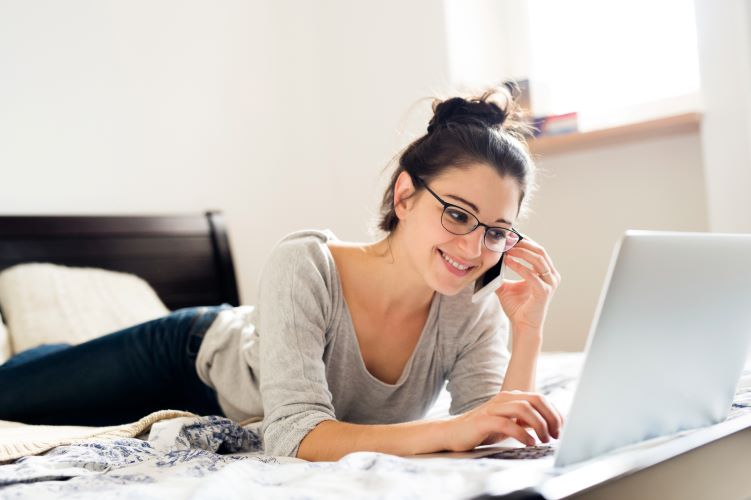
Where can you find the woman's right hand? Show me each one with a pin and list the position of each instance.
(504, 415)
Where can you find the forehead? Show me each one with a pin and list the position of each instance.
(482, 191)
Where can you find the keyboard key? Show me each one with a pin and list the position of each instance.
(527, 453)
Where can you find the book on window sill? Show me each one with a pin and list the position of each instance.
(556, 125)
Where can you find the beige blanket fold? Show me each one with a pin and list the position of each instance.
(18, 440)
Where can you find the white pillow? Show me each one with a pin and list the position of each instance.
(4, 342)
(47, 303)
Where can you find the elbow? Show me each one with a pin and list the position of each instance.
(284, 437)
(316, 445)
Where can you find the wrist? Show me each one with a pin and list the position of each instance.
(527, 345)
(442, 433)
(526, 333)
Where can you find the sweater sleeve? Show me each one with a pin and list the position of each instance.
(293, 304)
(481, 362)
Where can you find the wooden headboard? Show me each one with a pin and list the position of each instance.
(185, 258)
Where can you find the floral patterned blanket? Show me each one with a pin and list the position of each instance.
(213, 457)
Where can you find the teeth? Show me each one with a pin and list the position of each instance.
(454, 263)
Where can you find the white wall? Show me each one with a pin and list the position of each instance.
(279, 113)
(488, 41)
(136, 107)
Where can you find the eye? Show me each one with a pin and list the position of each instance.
(457, 216)
(496, 234)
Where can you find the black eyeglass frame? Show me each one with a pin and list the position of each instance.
(446, 205)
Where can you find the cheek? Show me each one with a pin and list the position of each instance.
(428, 232)
(437, 235)
(421, 239)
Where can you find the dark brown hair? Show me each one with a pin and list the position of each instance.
(464, 131)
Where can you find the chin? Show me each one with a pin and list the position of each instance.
(450, 289)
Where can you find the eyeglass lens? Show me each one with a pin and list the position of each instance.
(458, 221)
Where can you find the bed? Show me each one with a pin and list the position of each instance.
(188, 262)
(185, 258)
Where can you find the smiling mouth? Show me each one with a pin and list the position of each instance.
(462, 268)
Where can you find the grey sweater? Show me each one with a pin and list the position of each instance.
(294, 359)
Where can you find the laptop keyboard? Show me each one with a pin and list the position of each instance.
(527, 453)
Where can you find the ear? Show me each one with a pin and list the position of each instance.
(404, 188)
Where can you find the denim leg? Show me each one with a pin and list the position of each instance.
(115, 378)
(33, 353)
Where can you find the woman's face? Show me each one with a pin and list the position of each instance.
(481, 191)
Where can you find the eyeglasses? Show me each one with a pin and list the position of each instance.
(458, 221)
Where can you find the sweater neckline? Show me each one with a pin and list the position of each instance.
(353, 335)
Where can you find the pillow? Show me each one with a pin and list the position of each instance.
(4, 342)
(47, 303)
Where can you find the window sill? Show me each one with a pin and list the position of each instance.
(661, 127)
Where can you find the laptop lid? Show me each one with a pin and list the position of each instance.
(668, 342)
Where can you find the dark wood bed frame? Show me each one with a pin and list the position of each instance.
(185, 258)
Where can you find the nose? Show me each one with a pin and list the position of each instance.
(472, 243)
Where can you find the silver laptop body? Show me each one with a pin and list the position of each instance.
(668, 342)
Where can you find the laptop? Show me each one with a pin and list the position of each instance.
(666, 349)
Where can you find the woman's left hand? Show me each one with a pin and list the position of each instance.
(525, 302)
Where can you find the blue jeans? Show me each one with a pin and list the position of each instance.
(114, 379)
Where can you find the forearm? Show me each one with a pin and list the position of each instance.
(525, 350)
(331, 440)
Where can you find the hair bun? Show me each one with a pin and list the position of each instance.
(495, 108)
(470, 112)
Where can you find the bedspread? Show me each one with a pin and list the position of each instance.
(208, 457)
(214, 457)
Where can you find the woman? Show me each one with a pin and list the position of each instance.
(350, 343)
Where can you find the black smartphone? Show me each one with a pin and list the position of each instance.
(489, 282)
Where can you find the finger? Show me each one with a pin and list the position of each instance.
(541, 403)
(524, 411)
(532, 245)
(516, 431)
(529, 276)
(538, 262)
(548, 412)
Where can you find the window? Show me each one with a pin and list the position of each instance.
(613, 58)
(611, 62)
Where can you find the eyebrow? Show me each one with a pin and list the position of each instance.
(473, 206)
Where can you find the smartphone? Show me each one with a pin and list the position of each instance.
(489, 282)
